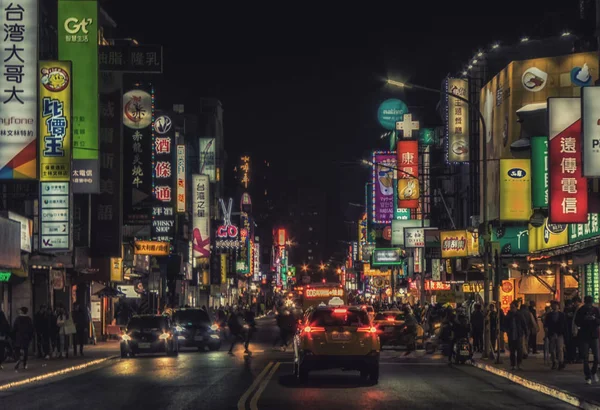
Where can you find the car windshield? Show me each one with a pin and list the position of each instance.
(191, 316)
(331, 318)
(137, 323)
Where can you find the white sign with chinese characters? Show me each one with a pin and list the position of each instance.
(414, 237)
(55, 218)
(201, 215)
(180, 178)
(590, 99)
(18, 88)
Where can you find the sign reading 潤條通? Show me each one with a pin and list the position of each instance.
(18, 89)
(457, 124)
(568, 187)
(163, 177)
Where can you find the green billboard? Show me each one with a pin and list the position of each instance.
(78, 42)
(539, 172)
(513, 240)
(581, 232)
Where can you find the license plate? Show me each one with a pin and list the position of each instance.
(340, 336)
(144, 345)
(199, 338)
(389, 329)
(464, 352)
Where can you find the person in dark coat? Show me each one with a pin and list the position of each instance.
(516, 328)
(555, 325)
(23, 331)
(587, 319)
(477, 327)
(42, 331)
(80, 318)
(4, 336)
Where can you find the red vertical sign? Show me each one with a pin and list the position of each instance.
(568, 188)
(408, 174)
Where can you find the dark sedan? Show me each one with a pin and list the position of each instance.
(149, 334)
(196, 329)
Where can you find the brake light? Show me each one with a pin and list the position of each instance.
(309, 329)
(340, 310)
(367, 329)
(391, 318)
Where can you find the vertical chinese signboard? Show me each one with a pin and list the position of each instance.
(107, 207)
(408, 174)
(78, 42)
(163, 166)
(457, 121)
(384, 164)
(590, 100)
(244, 171)
(515, 189)
(208, 164)
(539, 172)
(592, 281)
(55, 216)
(568, 188)
(55, 120)
(138, 114)
(18, 86)
(181, 178)
(201, 216)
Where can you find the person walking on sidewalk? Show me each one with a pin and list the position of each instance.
(535, 328)
(40, 322)
(80, 319)
(477, 327)
(532, 328)
(516, 328)
(23, 330)
(588, 320)
(4, 336)
(555, 327)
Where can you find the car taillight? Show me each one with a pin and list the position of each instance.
(313, 329)
(340, 310)
(367, 329)
(391, 318)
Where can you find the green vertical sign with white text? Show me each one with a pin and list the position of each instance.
(78, 42)
(539, 172)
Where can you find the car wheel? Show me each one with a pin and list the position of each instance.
(374, 375)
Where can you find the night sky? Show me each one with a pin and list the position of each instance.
(300, 84)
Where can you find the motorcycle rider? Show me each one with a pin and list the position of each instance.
(460, 330)
(409, 330)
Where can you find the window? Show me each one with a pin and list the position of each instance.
(147, 322)
(329, 318)
(191, 316)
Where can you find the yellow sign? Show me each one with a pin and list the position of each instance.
(515, 189)
(472, 287)
(152, 248)
(223, 268)
(458, 244)
(548, 236)
(368, 271)
(54, 81)
(408, 188)
(116, 269)
(458, 121)
(525, 85)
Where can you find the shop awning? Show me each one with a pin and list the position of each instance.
(531, 285)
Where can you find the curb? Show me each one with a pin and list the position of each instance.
(55, 373)
(541, 388)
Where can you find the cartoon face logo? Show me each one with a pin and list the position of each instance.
(54, 79)
(385, 176)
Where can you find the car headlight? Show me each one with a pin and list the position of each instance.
(164, 336)
(125, 337)
(215, 327)
(179, 328)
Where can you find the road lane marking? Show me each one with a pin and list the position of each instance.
(242, 402)
(263, 386)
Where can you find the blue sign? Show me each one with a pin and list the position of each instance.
(517, 173)
(580, 76)
(389, 112)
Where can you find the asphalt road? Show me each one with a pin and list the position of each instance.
(215, 380)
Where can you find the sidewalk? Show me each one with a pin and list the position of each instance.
(567, 385)
(39, 369)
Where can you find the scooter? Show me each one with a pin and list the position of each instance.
(463, 351)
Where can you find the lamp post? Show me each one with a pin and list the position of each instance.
(486, 242)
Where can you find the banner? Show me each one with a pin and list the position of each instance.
(201, 215)
(181, 187)
(107, 207)
(459, 244)
(539, 172)
(384, 163)
(408, 174)
(55, 120)
(568, 188)
(78, 42)
(163, 177)
(580, 232)
(547, 236)
(18, 85)
(457, 121)
(208, 164)
(590, 104)
(515, 189)
(138, 114)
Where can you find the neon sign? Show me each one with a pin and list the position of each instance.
(324, 292)
(227, 230)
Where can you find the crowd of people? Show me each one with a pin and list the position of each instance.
(52, 330)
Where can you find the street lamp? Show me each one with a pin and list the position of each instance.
(486, 262)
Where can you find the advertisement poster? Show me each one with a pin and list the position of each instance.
(383, 186)
(515, 189)
(457, 123)
(55, 121)
(568, 187)
(459, 244)
(19, 86)
(201, 216)
(548, 236)
(408, 174)
(539, 172)
(181, 178)
(208, 164)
